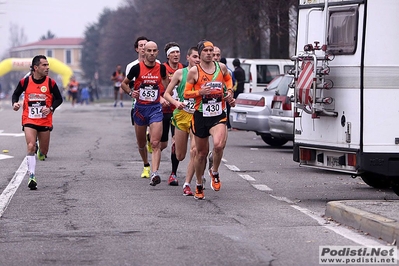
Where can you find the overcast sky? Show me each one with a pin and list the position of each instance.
(64, 18)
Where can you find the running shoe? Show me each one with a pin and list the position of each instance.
(121, 104)
(146, 172)
(187, 191)
(210, 160)
(215, 181)
(173, 180)
(155, 180)
(199, 192)
(40, 155)
(32, 184)
(149, 147)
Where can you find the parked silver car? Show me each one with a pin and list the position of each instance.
(252, 110)
(281, 120)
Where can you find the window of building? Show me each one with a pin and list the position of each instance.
(342, 30)
(68, 57)
(49, 53)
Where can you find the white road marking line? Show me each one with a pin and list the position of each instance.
(12, 187)
(12, 134)
(247, 177)
(262, 187)
(3, 156)
(233, 168)
(282, 199)
(342, 231)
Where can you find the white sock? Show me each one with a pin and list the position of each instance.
(31, 160)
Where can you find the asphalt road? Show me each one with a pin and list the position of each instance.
(92, 207)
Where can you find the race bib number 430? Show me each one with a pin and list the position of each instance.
(212, 108)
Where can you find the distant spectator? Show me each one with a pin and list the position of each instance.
(93, 89)
(1, 93)
(224, 61)
(239, 75)
(85, 95)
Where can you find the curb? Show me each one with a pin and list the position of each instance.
(376, 225)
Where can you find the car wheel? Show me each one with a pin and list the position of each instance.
(275, 142)
(376, 181)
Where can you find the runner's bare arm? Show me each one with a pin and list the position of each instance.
(192, 77)
(169, 90)
(125, 85)
(228, 81)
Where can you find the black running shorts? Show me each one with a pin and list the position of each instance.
(201, 125)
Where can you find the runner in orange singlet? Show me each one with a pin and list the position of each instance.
(210, 85)
(73, 89)
(117, 77)
(42, 97)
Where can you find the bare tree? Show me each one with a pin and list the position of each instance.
(116, 40)
(248, 29)
(279, 25)
(91, 52)
(17, 35)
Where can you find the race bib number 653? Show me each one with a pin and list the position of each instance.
(148, 93)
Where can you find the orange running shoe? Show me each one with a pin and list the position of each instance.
(215, 181)
(199, 193)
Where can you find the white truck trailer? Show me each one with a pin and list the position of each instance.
(347, 89)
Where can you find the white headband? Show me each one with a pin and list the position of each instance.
(172, 49)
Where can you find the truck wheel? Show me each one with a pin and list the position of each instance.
(273, 141)
(376, 181)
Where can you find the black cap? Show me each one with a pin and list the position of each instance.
(236, 62)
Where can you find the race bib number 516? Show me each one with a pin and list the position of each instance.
(35, 109)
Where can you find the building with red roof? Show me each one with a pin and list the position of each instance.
(67, 50)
